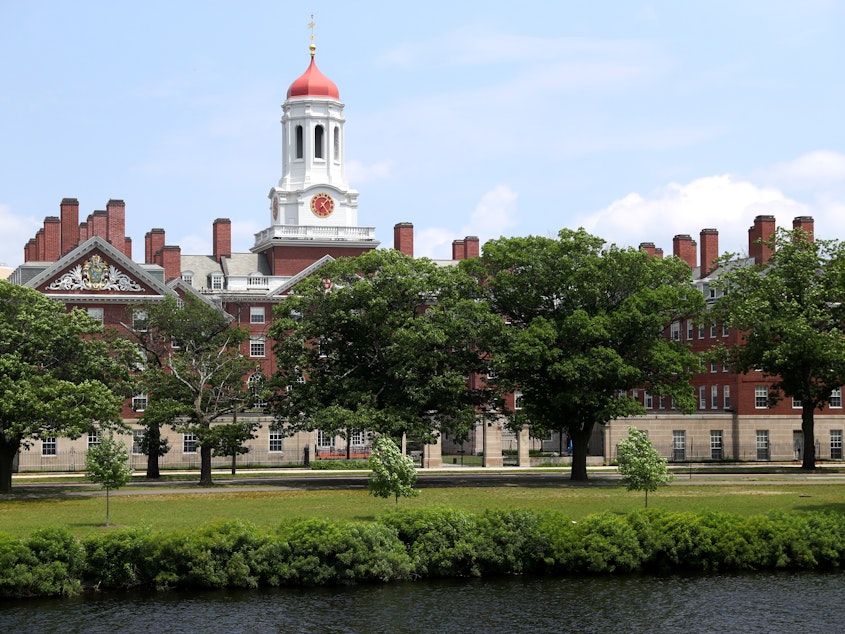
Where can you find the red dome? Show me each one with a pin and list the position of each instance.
(313, 83)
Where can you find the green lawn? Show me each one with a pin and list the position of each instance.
(85, 514)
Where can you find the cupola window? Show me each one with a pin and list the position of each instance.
(299, 142)
(318, 142)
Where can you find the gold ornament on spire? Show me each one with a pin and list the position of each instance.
(312, 47)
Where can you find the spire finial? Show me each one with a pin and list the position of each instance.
(312, 47)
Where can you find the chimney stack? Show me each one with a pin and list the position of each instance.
(760, 232)
(683, 246)
(709, 250)
(69, 213)
(403, 238)
(52, 238)
(804, 223)
(116, 223)
(222, 239)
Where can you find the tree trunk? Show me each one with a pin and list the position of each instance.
(580, 442)
(8, 450)
(107, 506)
(234, 462)
(205, 465)
(808, 424)
(153, 443)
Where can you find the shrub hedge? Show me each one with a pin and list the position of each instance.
(417, 543)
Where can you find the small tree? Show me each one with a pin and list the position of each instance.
(642, 468)
(392, 473)
(229, 440)
(106, 465)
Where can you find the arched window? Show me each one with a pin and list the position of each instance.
(318, 142)
(336, 155)
(256, 385)
(299, 142)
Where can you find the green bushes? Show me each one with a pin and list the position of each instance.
(414, 543)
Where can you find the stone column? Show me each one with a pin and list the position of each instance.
(492, 445)
(432, 457)
(523, 444)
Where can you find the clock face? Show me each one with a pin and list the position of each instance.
(322, 205)
(275, 208)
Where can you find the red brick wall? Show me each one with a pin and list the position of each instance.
(403, 238)
(683, 246)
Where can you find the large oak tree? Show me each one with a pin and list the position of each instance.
(385, 343)
(59, 374)
(587, 323)
(791, 317)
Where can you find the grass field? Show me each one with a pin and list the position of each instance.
(85, 514)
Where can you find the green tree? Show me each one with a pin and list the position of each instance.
(586, 323)
(58, 373)
(791, 317)
(382, 342)
(641, 466)
(393, 474)
(229, 440)
(105, 464)
(194, 370)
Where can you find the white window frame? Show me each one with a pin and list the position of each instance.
(726, 396)
(257, 346)
(140, 402)
(275, 442)
(702, 397)
(216, 281)
(97, 313)
(717, 444)
(93, 437)
(836, 444)
(797, 403)
(256, 315)
(189, 443)
(49, 446)
(139, 320)
(761, 396)
(690, 330)
(714, 397)
(137, 439)
(325, 439)
(835, 401)
(517, 401)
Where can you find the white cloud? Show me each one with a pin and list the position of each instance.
(17, 230)
(720, 202)
(821, 168)
(494, 213)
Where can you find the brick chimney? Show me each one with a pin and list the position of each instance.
(658, 253)
(30, 251)
(472, 247)
(648, 247)
(170, 258)
(153, 241)
(39, 245)
(403, 238)
(69, 213)
(222, 239)
(458, 249)
(127, 247)
(52, 238)
(83, 232)
(804, 223)
(98, 224)
(709, 239)
(683, 246)
(116, 223)
(761, 231)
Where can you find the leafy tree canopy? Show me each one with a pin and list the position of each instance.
(586, 323)
(382, 342)
(393, 474)
(791, 314)
(106, 465)
(59, 373)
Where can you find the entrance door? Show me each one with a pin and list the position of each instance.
(798, 444)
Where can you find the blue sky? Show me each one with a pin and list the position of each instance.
(635, 120)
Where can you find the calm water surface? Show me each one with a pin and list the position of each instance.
(770, 603)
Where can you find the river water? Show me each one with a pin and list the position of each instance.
(761, 602)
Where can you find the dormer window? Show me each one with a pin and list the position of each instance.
(188, 277)
(216, 281)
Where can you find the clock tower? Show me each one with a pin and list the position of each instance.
(312, 209)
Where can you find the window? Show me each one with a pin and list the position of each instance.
(702, 398)
(836, 398)
(761, 397)
(318, 142)
(255, 384)
(137, 442)
(276, 441)
(690, 329)
(324, 439)
(726, 396)
(139, 402)
(96, 314)
(517, 401)
(256, 314)
(662, 402)
(299, 142)
(48, 446)
(701, 331)
(217, 281)
(93, 438)
(679, 444)
(139, 320)
(675, 329)
(716, 445)
(714, 367)
(714, 397)
(189, 443)
(188, 277)
(359, 438)
(649, 400)
(256, 346)
(762, 444)
(713, 331)
(836, 444)
(797, 403)
(725, 330)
